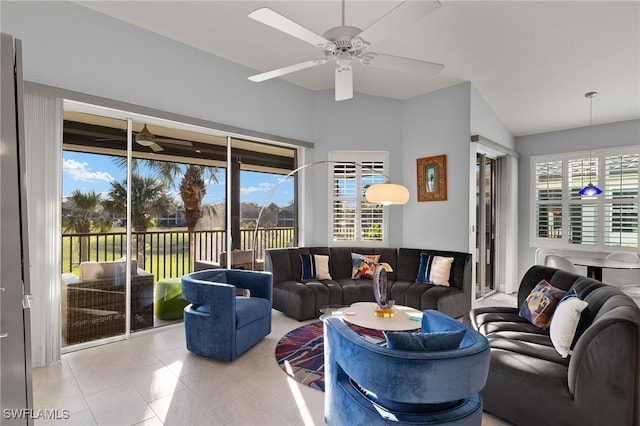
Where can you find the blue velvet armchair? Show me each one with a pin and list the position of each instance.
(368, 384)
(220, 324)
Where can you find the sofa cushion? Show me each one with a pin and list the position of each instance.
(363, 265)
(539, 306)
(434, 269)
(99, 270)
(569, 321)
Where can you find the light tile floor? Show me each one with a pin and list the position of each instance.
(152, 379)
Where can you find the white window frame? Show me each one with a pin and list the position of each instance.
(359, 158)
(600, 201)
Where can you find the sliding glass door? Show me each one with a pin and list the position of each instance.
(486, 208)
(146, 201)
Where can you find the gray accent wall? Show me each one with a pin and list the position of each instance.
(623, 133)
(485, 122)
(364, 123)
(435, 124)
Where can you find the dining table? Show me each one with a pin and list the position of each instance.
(596, 265)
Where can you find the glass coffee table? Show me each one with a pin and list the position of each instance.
(404, 318)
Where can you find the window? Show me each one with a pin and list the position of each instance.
(564, 219)
(353, 219)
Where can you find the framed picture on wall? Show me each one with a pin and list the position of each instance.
(432, 178)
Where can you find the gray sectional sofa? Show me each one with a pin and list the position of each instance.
(302, 299)
(529, 383)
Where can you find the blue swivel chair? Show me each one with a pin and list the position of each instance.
(368, 384)
(220, 324)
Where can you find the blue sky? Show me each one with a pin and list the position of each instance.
(88, 172)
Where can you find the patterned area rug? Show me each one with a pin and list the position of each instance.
(300, 353)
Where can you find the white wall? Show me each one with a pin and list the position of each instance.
(611, 135)
(69, 46)
(434, 124)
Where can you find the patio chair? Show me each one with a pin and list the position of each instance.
(94, 302)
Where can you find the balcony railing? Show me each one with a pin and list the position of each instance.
(165, 253)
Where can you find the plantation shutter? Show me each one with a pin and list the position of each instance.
(621, 200)
(562, 218)
(352, 218)
(548, 196)
(583, 211)
(345, 212)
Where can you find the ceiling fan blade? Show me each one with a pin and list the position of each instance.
(279, 22)
(174, 141)
(344, 83)
(402, 15)
(414, 66)
(155, 147)
(287, 70)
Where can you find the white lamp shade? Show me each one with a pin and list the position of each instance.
(387, 193)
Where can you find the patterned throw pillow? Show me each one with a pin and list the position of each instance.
(569, 321)
(363, 265)
(434, 269)
(540, 304)
(315, 267)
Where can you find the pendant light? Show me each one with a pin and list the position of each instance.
(590, 190)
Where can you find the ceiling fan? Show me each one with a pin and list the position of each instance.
(145, 138)
(346, 44)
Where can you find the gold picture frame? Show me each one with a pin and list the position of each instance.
(432, 178)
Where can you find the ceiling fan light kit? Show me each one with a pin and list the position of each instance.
(144, 137)
(346, 44)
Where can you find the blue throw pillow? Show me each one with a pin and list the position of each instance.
(308, 267)
(425, 341)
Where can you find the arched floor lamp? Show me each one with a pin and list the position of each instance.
(385, 193)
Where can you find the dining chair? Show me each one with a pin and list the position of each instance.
(541, 255)
(622, 277)
(561, 262)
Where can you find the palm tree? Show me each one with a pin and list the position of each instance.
(148, 198)
(192, 188)
(192, 191)
(194, 179)
(84, 217)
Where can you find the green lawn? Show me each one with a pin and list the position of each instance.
(166, 251)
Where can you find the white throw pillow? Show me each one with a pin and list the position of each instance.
(564, 324)
(322, 266)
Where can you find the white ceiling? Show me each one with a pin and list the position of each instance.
(532, 61)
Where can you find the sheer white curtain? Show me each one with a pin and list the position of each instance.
(43, 146)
